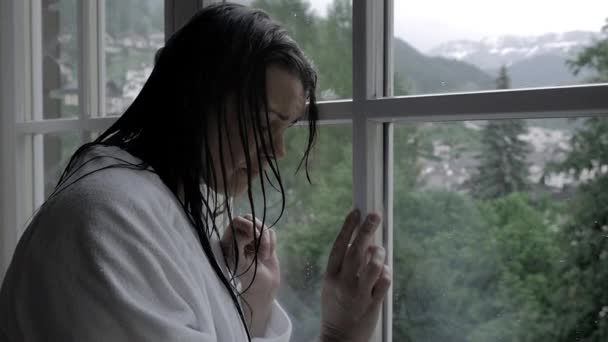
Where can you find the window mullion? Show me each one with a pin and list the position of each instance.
(13, 21)
(368, 83)
(101, 58)
(21, 101)
(389, 28)
(178, 12)
(387, 231)
(365, 132)
(388, 152)
(88, 75)
(37, 140)
(573, 101)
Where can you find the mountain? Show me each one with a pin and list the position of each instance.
(417, 73)
(542, 70)
(491, 53)
(532, 60)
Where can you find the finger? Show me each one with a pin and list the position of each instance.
(372, 270)
(244, 233)
(340, 245)
(243, 226)
(356, 253)
(382, 285)
(273, 239)
(236, 230)
(368, 256)
(265, 240)
(265, 244)
(258, 222)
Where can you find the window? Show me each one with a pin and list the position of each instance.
(446, 47)
(73, 63)
(60, 62)
(312, 218)
(409, 120)
(494, 225)
(134, 31)
(323, 29)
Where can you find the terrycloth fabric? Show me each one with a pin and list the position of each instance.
(114, 258)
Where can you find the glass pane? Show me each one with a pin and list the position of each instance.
(58, 149)
(134, 32)
(456, 46)
(323, 29)
(60, 58)
(501, 230)
(312, 218)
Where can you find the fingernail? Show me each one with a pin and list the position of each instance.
(374, 218)
(387, 270)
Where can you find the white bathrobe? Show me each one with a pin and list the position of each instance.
(114, 258)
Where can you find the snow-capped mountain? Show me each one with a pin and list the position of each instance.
(532, 61)
(491, 53)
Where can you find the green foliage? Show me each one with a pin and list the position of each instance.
(594, 57)
(503, 168)
(413, 144)
(475, 272)
(326, 40)
(586, 236)
(585, 269)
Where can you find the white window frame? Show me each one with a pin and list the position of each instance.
(372, 111)
(22, 124)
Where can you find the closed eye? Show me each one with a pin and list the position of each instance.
(296, 121)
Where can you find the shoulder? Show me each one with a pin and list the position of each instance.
(111, 219)
(110, 178)
(116, 224)
(104, 256)
(111, 201)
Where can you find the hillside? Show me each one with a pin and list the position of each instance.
(532, 61)
(416, 73)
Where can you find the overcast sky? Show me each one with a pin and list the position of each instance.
(426, 23)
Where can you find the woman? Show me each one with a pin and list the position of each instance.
(127, 248)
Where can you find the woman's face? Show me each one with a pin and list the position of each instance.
(286, 101)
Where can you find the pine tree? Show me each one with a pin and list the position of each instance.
(585, 271)
(595, 58)
(503, 81)
(502, 163)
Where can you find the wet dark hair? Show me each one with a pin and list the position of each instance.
(221, 54)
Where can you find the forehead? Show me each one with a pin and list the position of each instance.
(285, 92)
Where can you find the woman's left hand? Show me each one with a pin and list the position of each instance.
(262, 292)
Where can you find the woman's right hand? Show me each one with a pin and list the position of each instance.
(356, 282)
